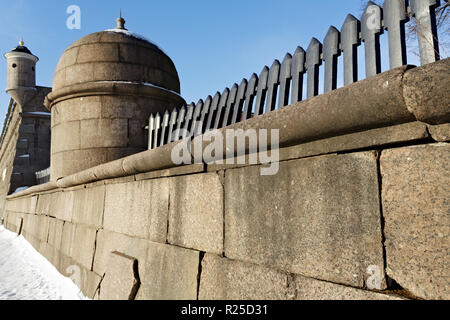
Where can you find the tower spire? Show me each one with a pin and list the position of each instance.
(120, 22)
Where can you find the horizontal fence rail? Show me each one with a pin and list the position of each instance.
(43, 176)
(282, 83)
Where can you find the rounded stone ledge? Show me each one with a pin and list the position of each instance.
(427, 94)
(98, 88)
(34, 189)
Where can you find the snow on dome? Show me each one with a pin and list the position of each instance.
(134, 35)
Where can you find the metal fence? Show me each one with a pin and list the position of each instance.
(282, 83)
(43, 176)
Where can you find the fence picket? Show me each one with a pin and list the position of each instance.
(221, 108)
(204, 113)
(180, 122)
(425, 15)
(395, 17)
(261, 91)
(172, 124)
(240, 97)
(213, 111)
(331, 52)
(313, 61)
(230, 104)
(164, 129)
(188, 121)
(371, 30)
(156, 132)
(350, 42)
(272, 86)
(151, 127)
(285, 81)
(297, 71)
(249, 97)
(195, 126)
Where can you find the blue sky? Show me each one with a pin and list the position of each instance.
(212, 43)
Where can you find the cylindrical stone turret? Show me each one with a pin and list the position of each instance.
(105, 87)
(21, 74)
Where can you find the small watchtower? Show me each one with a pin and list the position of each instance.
(21, 74)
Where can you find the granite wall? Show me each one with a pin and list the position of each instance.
(361, 214)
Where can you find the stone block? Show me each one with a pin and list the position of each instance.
(55, 232)
(312, 289)
(224, 279)
(68, 58)
(169, 273)
(118, 107)
(196, 212)
(415, 194)
(86, 280)
(61, 206)
(96, 133)
(98, 52)
(318, 217)
(78, 73)
(166, 272)
(78, 242)
(138, 209)
(66, 136)
(77, 109)
(88, 205)
(44, 204)
(441, 132)
(108, 242)
(43, 223)
(121, 281)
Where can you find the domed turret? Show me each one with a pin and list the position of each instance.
(21, 74)
(105, 87)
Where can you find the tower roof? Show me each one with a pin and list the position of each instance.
(21, 48)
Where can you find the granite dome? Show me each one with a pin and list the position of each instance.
(115, 55)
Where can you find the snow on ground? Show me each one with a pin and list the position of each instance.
(26, 275)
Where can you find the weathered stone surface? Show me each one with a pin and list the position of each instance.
(138, 209)
(177, 171)
(78, 242)
(66, 136)
(441, 132)
(426, 92)
(169, 273)
(311, 289)
(22, 205)
(36, 226)
(317, 217)
(44, 203)
(121, 280)
(85, 279)
(108, 242)
(370, 138)
(196, 212)
(97, 133)
(61, 205)
(166, 272)
(416, 188)
(88, 205)
(224, 279)
(55, 232)
(77, 109)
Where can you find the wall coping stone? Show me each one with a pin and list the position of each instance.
(96, 88)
